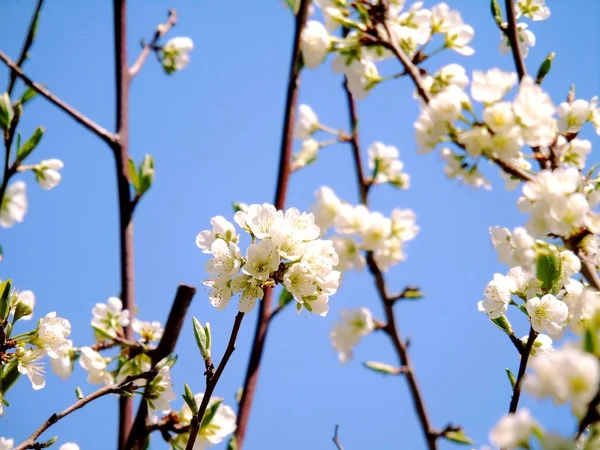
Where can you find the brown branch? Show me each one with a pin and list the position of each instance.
(283, 176)
(161, 30)
(514, 401)
(211, 382)
(121, 153)
(336, 439)
(139, 432)
(26, 46)
(391, 329)
(125, 386)
(512, 34)
(76, 115)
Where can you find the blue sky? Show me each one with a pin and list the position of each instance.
(214, 131)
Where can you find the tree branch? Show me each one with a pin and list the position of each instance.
(512, 34)
(124, 386)
(139, 432)
(26, 46)
(161, 30)
(336, 439)
(514, 401)
(284, 171)
(121, 153)
(106, 135)
(211, 382)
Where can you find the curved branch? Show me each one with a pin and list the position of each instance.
(336, 439)
(283, 176)
(125, 386)
(76, 115)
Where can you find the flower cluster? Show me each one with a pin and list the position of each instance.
(285, 249)
(347, 334)
(176, 54)
(411, 28)
(359, 229)
(221, 424)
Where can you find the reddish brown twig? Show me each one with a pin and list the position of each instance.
(211, 382)
(514, 401)
(512, 34)
(264, 315)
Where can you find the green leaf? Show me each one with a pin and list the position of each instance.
(133, 175)
(545, 68)
(549, 270)
(9, 374)
(210, 412)
(590, 339)
(27, 96)
(412, 293)
(78, 393)
(168, 360)
(49, 442)
(232, 443)
(102, 333)
(189, 399)
(382, 368)
(284, 298)
(5, 288)
(208, 336)
(30, 145)
(201, 341)
(496, 12)
(6, 111)
(146, 174)
(503, 323)
(459, 437)
(293, 5)
(511, 377)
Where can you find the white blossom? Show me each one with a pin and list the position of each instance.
(222, 425)
(346, 334)
(306, 123)
(52, 335)
(28, 364)
(572, 116)
(226, 259)
(566, 374)
(63, 366)
(326, 208)
(535, 111)
(222, 229)
(249, 289)
(349, 253)
(307, 154)
(514, 249)
(110, 317)
(491, 86)
(526, 39)
(457, 169)
(497, 297)
(452, 74)
(95, 365)
(69, 446)
(315, 43)
(47, 173)
(160, 394)
(541, 346)
(6, 444)
(148, 331)
(548, 314)
(176, 53)
(13, 206)
(220, 292)
(513, 430)
(533, 9)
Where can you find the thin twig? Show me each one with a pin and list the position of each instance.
(387, 301)
(211, 382)
(336, 439)
(26, 45)
(161, 30)
(76, 115)
(166, 346)
(283, 176)
(117, 388)
(514, 401)
(512, 34)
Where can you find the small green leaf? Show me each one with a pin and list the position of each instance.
(49, 442)
(102, 333)
(284, 298)
(496, 12)
(382, 368)
(459, 437)
(189, 399)
(27, 96)
(78, 393)
(168, 360)
(9, 374)
(5, 288)
(549, 270)
(590, 340)
(201, 340)
(133, 175)
(412, 293)
(208, 336)
(293, 5)
(210, 412)
(545, 68)
(232, 443)
(6, 111)
(238, 394)
(146, 174)
(511, 377)
(503, 323)
(239, 206)
(30, 145)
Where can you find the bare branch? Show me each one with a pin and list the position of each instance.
(161, 30)
(26, 46)
(514, 401)
(79, 117)
(283, 176)
(211, 382)
(125, 386)
(336, 439)
(512, 34)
